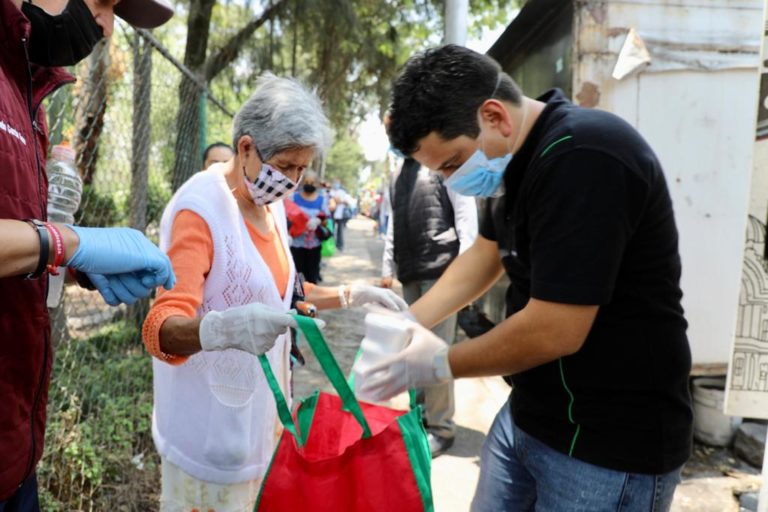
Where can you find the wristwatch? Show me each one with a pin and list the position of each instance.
(42, 235)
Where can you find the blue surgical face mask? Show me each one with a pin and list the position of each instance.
(480, 176)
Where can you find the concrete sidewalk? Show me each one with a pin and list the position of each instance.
(454, 475)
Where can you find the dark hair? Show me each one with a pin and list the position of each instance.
(441, 90)
(215, 145)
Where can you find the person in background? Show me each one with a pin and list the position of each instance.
(121, 263)
(429, 227)
(216, 153)
(581, 220)
(215, 422)
(305, 247)
(385, 210)
(341, 210)
(375, 209)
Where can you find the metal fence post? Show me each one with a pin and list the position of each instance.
(203, 114)
(140, 142)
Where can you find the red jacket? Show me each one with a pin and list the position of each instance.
(25, 350)
(297, 219)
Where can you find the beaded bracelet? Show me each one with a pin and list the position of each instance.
(58, 249)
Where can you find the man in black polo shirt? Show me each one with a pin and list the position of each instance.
(595, 343)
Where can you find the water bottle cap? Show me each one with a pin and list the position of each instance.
(63, 153)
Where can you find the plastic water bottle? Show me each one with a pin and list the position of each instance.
(383, 338)
(64, 191)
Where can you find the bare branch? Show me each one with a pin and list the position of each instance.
(228, 53)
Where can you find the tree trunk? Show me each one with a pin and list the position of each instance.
(271, 46)
(295, 41)
(140, 143)
(187, 148)
(90, 112)
(229, 52)
(188, 119)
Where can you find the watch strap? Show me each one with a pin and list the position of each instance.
(42, 234)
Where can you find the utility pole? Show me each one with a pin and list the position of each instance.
(456, 21)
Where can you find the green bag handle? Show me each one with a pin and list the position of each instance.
(328, 363)
(283, 412)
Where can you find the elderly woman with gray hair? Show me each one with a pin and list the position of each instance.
(215, 423)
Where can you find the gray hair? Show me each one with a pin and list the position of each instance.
(282, 114)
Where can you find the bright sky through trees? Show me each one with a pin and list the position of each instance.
(372, 137)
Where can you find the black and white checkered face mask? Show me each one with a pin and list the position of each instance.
(270, 185)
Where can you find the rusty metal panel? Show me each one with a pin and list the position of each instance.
(696, 35)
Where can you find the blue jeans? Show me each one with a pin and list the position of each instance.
(519, 473)
(339, 225)
(24, 499)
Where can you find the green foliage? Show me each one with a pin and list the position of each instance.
(99, 419)
(351, 50)
(158, 195)
(97, 209)
(60, 115)
(345, 160)
(490, 14)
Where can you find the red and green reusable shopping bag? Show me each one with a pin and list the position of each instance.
(337, 454)
(328, 247)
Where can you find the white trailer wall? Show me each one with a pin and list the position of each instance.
(747, 386)
(695, 105)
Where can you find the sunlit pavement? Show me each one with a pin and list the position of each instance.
(454, 474)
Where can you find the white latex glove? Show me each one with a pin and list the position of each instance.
(404, 315)
(313, 223)
(424, 362)
(252, 328)
(361, 294)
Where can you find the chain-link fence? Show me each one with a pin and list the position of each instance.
(138, 121)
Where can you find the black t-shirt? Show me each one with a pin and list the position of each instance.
(587, 219)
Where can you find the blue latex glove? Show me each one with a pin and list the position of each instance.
(120, 251)
(122, 288)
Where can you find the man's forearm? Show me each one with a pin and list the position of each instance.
(20, 247)
(540, 333)
(469, 276)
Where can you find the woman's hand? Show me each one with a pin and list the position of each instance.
(252, 328)
(361, 294)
